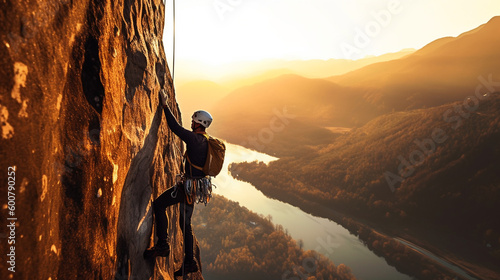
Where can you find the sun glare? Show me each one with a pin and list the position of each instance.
(220, 32)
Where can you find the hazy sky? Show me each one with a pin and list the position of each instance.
(220, 31)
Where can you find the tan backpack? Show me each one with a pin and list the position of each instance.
(215, 157)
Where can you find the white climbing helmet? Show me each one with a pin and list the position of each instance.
(202, 117)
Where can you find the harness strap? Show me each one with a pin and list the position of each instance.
(193, 165)
(187, 157)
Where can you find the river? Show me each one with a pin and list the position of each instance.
(320, 234)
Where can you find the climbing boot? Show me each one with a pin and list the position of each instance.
(189, 267)
(161, 249)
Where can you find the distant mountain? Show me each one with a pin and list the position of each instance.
(239, 74)
(317, 68)
(279, 113)
(444, 71)
(195, 95)
(313, 69)
(255, 78)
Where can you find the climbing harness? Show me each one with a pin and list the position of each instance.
(198, 190)
(178, 181)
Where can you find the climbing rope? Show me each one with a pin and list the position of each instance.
(173, 58)
(173, 42)
(175, 144)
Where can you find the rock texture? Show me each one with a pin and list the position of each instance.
(82, 125)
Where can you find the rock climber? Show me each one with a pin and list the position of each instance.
(196, 146)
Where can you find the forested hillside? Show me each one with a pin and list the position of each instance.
(239, 244)
(434, 170)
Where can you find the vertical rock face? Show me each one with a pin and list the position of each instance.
(82, 126)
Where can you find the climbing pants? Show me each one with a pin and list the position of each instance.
(172, 196)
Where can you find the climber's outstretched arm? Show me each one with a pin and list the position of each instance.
(176, 128)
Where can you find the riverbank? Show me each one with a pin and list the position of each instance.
(406, 259)
(237, 243)
(315, 233)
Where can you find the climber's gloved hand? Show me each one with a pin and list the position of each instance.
(163, 98)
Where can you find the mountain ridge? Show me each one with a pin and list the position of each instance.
(443, 183)
(423, 79)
